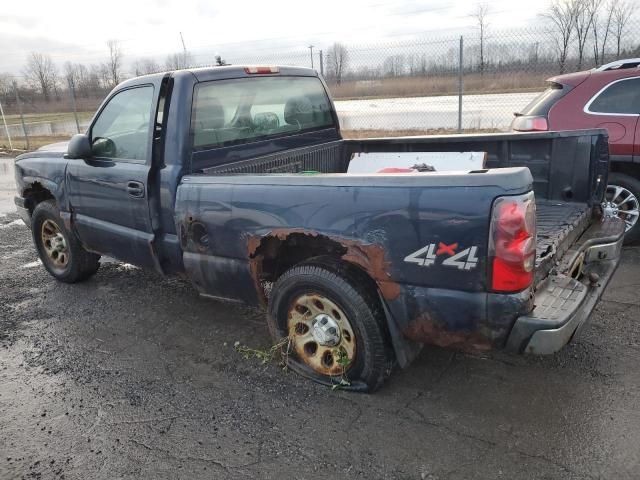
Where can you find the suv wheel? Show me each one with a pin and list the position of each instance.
(623, 198)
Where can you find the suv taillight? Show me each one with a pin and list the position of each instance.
(526, 123)
(512, 243)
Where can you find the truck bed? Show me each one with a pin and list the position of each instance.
(559, 225)
(564, 169)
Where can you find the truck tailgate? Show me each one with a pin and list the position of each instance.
(559, 226)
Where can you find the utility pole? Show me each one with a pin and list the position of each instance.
(460, 84)
(72, 94)
(321, 63)
(184, 51)
(310, 47)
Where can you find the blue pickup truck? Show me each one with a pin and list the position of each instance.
(236, 178)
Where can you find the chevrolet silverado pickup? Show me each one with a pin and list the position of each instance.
(237, 179)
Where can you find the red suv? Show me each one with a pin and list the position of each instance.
(605, 97)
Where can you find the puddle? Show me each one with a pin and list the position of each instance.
(7, 186)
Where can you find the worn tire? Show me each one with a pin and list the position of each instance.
(343, 285)
(80, 264)
(633, 185)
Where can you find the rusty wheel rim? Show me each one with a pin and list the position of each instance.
(321, 334)
(54, 244)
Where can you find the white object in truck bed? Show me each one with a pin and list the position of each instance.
(441, 161)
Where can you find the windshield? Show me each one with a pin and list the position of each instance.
(230, 112)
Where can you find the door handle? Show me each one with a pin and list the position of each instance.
(135, 189)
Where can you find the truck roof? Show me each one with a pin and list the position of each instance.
(206, 74)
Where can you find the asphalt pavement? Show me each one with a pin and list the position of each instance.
(134, 376)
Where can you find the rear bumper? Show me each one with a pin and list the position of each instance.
(564, 304)
(23, 210)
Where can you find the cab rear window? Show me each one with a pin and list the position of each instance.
(231, 112)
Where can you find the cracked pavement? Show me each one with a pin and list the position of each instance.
(131, 375)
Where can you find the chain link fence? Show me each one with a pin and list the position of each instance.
(424, 85)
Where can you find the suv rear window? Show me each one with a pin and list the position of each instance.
(231, 112)
(543, 102)
(621, 97)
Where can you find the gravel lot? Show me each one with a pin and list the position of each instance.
(131, 375)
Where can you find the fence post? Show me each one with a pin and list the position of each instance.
(321, 63)
(24, 128)
(6, 128)
(72, 94)
(310, 47)
(460, 86)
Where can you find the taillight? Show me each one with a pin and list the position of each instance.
(512, 243)
(526, 123)
(261, 70)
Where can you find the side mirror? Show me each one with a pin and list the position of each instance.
(79, 147)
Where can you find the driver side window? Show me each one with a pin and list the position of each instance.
(123, 128)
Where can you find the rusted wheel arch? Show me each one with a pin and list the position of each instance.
(273, 254)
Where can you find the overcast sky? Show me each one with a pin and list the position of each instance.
(77, 30)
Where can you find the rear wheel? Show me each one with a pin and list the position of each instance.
(622, 198)
(334, 325)
(60, 251)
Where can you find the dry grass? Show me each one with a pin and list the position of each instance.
(20, 146)
(36, 105)
(439, 85)
(354, 134)
(14, 119)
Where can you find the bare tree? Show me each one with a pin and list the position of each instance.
(80, 79)
(622, 12)
(585, 13)
(601, 29)
(393, 66)
(6, 87)
(416, 64)
(104, 75)
(337, 61)
(534, 53)
(480, 15)
(41, 73)
(145, 66)
(114, 64)
(562, 14)
(95, 79)
(72, 74)
(178, 61)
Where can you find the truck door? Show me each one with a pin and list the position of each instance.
(108, 192)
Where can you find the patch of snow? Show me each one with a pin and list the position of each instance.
(31, 264)
(12, 224)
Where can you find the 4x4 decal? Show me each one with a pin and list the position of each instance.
(464, 260)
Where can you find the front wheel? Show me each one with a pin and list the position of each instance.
(60, 251)
(334, 325)
(622, 198)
